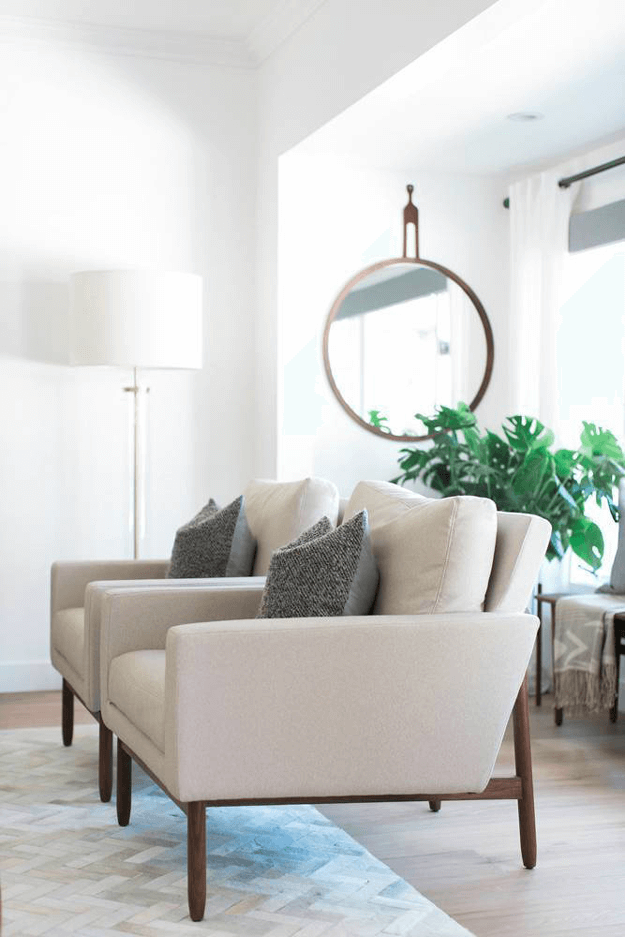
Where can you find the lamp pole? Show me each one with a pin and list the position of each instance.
(138, 481)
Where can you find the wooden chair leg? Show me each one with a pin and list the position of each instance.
(124, 785)
(196, 859)
(523, 763)
(105, 764)
(68, 714)
(435, 805)
(618, 649)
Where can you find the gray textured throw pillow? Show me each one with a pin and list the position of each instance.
(214, 543)
(325, 572)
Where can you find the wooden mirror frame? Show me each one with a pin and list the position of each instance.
(410, 217)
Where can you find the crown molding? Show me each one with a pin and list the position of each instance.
(271, 32)
(197, 48)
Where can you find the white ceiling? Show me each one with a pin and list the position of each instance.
(224, 19)
(448, 110)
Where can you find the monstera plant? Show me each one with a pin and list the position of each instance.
(521, 471)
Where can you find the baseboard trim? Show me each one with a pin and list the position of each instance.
(28, 676)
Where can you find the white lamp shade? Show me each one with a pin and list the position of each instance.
(136, 319)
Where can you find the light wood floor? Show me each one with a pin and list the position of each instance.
(466, 858)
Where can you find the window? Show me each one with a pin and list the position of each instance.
(591, 365)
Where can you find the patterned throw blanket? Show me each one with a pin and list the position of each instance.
(584, 664)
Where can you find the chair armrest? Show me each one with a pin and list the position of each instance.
(94, 596)
(70, 579)
(346, 706)
(139, 619)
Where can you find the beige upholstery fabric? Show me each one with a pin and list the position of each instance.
(68, 636)
(93, 608)
(278, 512)
(75, 645)
(520, 538)
(434, 555)
(327, 707)
(354, 705)
(67, 652)
(70, 579)
(137, 688)
(136, 619)
(139, 619)
(384, 501)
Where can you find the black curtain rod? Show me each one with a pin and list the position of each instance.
(569, 180)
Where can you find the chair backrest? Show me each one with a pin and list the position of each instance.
(278, 512)
(519, 550)
(520, 541)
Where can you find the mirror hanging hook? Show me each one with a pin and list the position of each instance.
(411, 216)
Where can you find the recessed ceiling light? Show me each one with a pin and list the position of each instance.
(525, 116)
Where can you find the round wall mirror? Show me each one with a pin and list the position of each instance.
(404, 336)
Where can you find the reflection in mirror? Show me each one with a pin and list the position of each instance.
(405, 339)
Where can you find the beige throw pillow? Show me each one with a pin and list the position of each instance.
(434, 555)
(278, 512)
(383, 501)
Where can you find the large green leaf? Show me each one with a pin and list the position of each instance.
(448, 419)
(498, 453)
(413, 457)
(565, 462)
(587, 541)
(596, 441)
(536, 468)
(526, 434)
(377, 419)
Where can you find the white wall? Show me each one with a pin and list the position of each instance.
(334, 220)
(120, 161)
(333, 60)
(114, 161)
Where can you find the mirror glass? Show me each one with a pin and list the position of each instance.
(404, 337)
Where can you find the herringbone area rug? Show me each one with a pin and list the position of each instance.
(68, 869)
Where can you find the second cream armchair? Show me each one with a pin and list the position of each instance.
(276, 512)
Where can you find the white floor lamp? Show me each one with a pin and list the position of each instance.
(136, 319)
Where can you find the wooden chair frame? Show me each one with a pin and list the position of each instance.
(519, 788)
(105, 739)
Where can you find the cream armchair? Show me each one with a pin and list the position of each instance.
(238, 710)
(276, 512)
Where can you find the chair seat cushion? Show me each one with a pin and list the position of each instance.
(68, 636)
(137, 689)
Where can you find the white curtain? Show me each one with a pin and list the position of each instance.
(539, 225)
(539, 219)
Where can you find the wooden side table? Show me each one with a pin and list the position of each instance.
(550, 598)
(619, 648)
